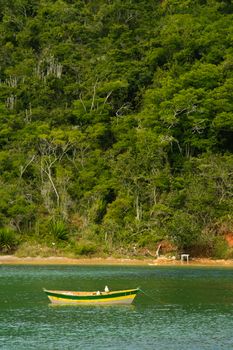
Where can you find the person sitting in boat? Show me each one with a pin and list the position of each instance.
(106, 289)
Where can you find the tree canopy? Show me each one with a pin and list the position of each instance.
(116, 122)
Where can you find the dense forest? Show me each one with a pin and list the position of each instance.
(116, 126)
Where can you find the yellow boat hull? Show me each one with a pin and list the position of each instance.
(124, 297)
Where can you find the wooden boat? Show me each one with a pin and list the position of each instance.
(122, 297)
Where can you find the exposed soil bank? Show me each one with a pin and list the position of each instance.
(13, 260)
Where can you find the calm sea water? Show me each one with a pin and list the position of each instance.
(186, 308)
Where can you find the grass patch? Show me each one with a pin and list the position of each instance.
(85, 248)
(34, 249)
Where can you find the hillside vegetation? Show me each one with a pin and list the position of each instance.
(116, 126)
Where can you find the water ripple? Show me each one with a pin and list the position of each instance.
(185, 308)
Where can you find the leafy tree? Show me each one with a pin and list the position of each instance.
(118, 113)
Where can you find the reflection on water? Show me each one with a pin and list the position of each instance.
(184, 308)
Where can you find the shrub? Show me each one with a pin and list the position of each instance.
(220, 248)
(183, 230)
(85, 248)
(8, 240)
(59, 230)
(210, 245)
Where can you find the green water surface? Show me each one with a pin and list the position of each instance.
(188, 308)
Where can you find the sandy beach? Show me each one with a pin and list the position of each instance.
(13, 260)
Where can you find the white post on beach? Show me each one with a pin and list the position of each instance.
(184, 257)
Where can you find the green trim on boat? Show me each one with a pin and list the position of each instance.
(110, 295)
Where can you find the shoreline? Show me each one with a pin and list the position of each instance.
(53, 260)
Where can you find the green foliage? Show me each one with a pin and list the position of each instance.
(209, 245)
(220, 249)
(183, 230)
(59, 230)
(120, 114)
(8, 240)
(86, 248)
